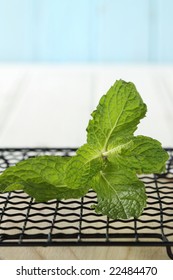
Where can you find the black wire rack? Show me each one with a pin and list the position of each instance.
(24, 222)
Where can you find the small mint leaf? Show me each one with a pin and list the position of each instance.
(116, 116)
(82, 167)
(142, 154)
(120, 194)
(42, 177)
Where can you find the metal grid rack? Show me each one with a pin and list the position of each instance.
(72, 222)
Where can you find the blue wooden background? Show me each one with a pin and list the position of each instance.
(86, 31)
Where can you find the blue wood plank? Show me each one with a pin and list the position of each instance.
(123, 30)
(63, 31)
(16, 30)
(86, 30)
(165, 31)
(153, 31)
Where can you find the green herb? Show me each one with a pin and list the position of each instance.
(108, 163)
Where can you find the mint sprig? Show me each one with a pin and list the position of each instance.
(108, 163)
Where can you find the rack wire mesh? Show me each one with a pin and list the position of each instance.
(24, 222)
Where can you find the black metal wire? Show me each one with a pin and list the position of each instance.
(24, 222)
(53, 222)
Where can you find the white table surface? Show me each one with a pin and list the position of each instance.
(50, 105)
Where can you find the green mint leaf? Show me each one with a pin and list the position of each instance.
(82, 167)
(120, 193)
(42, 178)
(142, 154)
(116, 116)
